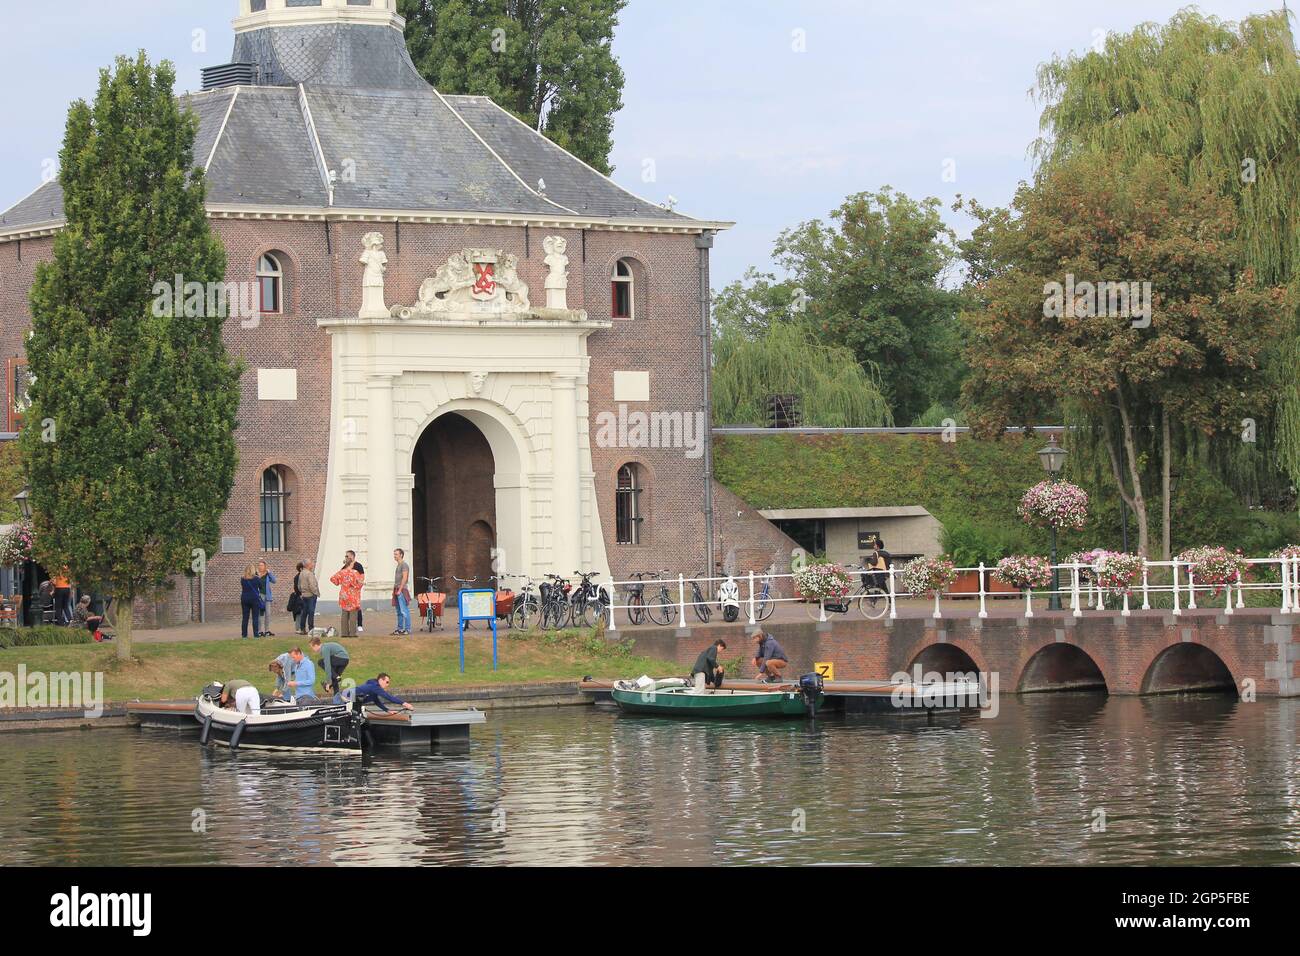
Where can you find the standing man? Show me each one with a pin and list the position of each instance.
(310, 590)
(349, 581)
(769, 657)
(302, 682)
(401, 596)
(361, 616)
(334, 661)
(707, 670)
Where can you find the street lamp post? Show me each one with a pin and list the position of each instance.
(1053, 459)
(24, 509)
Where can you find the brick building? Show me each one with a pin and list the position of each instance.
(515, 372)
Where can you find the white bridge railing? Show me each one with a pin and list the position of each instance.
(757, 591)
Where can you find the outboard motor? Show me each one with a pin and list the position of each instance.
(811, 687)
(729, 599)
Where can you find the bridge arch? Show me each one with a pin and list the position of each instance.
(944, 659)
(1061, 667)
(1187, 667)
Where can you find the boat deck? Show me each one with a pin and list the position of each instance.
(419, 730)
(850, 697)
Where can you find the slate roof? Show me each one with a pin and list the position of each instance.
(410, 148)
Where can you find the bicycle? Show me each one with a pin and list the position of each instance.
(636, 609)
(662, 609)
(873, 600)
(587, 602)
(431, 604)
(699, 601)
(464, 585)
(764, 602)
(555, 602)
(527, 606)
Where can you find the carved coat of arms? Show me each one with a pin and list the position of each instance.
(473, 280)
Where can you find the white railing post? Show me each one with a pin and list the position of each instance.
(1191, 589)
(1295, 583)
(1177, 609)
(1240, 601)
(1285, 564)
(893, 607)
(1146, 593)
(751, 598)
(937, 613)
(1074, 589)
(822, 602)
(1029, 602)
(1125, 612)
(612, 625)
(681, 602)
(984, 611)
(1227, 604)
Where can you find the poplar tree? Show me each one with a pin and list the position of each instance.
(549, 62)
(129, 441)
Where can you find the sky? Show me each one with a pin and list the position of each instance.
(767, 113)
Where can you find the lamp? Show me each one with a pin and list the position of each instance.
(1053, 459)
(24, 504)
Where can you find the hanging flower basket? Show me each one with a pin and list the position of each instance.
(1024, 572)
(1115, 571)
(818, 581)
(923, 575)
(16, 546)
(1055, 504)
(1214, 567)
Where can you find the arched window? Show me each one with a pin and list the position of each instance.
(627, 505)
(275, 509)
(624, 290)
(270, 283)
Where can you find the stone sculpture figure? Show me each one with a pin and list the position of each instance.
(372, 284)
(557, 278)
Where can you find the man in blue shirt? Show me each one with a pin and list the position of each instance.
(376, 692)
(769, 657)
(302, 681)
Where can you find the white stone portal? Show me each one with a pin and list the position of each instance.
(519, 374)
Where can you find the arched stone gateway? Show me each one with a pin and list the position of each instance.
(424, 395)
(1188, 668)
(1061, 667)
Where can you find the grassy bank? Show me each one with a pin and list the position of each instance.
(179, 670)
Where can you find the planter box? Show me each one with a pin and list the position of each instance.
(968, 584)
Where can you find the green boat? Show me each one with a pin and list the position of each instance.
(679, 698)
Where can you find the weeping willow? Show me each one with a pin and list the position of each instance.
(834, 390)
(1222, 100)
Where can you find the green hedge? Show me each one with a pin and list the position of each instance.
(973, 487)
(44, 636)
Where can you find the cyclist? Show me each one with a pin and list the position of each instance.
(877, 564)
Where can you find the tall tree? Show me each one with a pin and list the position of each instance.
(129, 441)
(749, 367)
(874, 282)
(549, 62)
(1221, 102)
(1184, 350)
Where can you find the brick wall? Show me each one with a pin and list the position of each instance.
(1256, 646)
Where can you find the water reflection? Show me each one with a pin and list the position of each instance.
(1178, 780)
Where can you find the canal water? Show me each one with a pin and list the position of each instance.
(1054, 779)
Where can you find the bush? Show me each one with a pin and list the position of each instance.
(969, 542)
(45, 635)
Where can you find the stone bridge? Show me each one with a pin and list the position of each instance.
(1150, 652)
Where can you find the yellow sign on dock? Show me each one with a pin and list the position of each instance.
(826, 669)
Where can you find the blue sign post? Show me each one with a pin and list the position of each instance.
(477, 606)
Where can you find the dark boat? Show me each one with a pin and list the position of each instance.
(321, 728)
